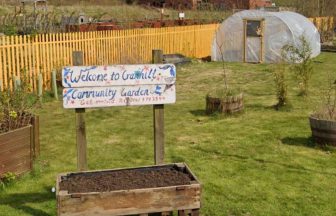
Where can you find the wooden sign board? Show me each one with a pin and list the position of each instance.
(118, 85)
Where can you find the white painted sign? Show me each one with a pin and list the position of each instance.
(119, 85)
(118, 75)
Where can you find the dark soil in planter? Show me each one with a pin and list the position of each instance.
(124, 179)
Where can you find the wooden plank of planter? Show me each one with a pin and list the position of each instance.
(15, 151)
(14, 144)
(130, 202)
(17, 167)
(19, 133)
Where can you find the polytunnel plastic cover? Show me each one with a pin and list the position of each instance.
(280, 29)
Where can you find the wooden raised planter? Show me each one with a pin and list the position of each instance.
(323, 131)
(18, 148)
(230, 104)
(127, 200)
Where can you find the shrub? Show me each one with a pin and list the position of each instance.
(300, 55)
(16, 106)
(9, 30)
(6, 179)
(279, 74)
(327, 111)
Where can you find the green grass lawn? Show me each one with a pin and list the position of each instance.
(261, 162)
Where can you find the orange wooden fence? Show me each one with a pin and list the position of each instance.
(323, 24)
(40, 54)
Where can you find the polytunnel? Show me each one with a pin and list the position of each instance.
(258, 36)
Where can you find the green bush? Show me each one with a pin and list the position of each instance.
(300, 57)
(281, 86)
(9, 30)
(6, 179)
(327, 110)
(16, 105)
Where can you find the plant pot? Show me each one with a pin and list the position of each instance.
(323, 131)
(130, 191)
(18, 148)
(229, 104)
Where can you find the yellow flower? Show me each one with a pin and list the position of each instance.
(13, 114)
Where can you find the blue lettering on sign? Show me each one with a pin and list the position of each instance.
(77, 94)
(134, 93)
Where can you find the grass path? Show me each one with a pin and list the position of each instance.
(262, 162)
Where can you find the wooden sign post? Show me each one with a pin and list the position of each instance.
(158, 118)
(77, 58)
(118, 85)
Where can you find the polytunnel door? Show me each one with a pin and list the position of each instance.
(253, 41)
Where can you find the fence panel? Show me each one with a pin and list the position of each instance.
(323, 24)
(32, 55)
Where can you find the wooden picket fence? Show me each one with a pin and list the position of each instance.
(40, 54)
(324, 24)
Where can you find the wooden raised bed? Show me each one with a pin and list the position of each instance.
(323, 131)
(124, 199)
(18, 148)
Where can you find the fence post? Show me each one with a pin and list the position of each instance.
(39, 88)
(158, 118)
(77, 59)
(17, 83)
(54, 84)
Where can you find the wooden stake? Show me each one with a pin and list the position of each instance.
(17, 83)
(36, 131)
(158, 115)
(77, 57)
(54, 85)
(39, 87)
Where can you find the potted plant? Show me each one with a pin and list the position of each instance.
(19, 140)
(226, 99)
(323, 120)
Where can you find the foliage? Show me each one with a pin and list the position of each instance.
(327, 111)
(300, 56)
(281, 86)
(6, 179)
(9, 30)
(16, 106)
